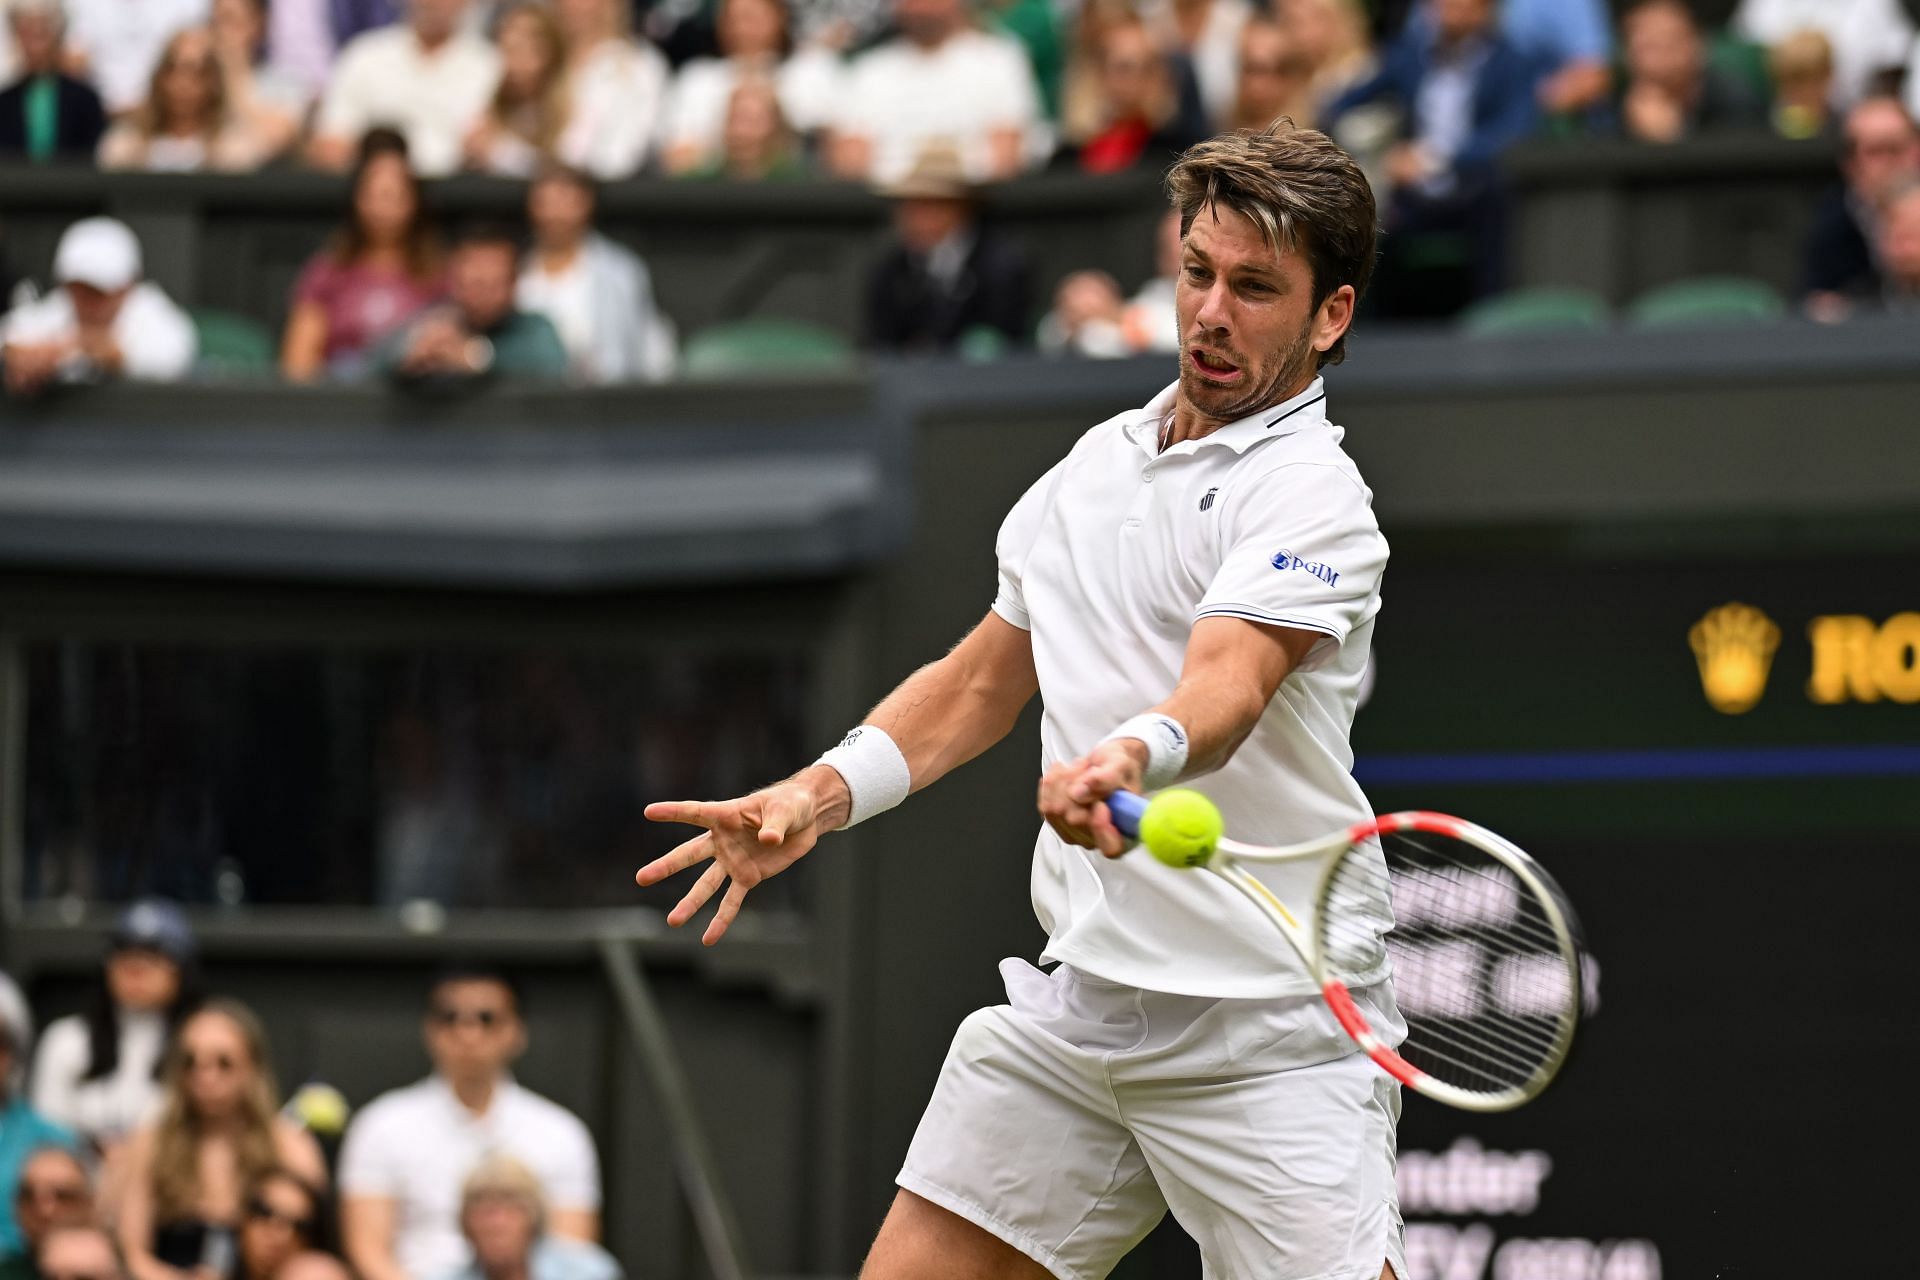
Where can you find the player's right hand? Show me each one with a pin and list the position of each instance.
(748, 840)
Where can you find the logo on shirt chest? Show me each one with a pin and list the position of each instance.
(1206, 501)
(1287, 561)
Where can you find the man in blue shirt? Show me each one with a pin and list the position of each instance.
(1467, 93)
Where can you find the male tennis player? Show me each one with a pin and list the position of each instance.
(1192, 592)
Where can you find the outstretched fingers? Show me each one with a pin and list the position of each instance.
(723, 918)
(696, 898)
(698, 849)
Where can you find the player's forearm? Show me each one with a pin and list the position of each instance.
(1217, 716)
(948, 712)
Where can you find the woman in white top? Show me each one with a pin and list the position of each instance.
(533, 104)
(97, 1072)
(756, 39)
(185, 124)
(619, 88)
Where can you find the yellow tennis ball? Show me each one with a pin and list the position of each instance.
(1181, 828)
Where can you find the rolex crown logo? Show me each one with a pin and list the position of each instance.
(1734, 646)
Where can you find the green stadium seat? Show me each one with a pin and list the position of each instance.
(1707, 302)
(764, 346)
(231, 345)
(1529, 311)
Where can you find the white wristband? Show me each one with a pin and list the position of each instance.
(875, 771)
(1166, 741)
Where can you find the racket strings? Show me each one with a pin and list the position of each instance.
(1479, 972)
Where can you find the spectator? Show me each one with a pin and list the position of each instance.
(97, 1071)
(116, 44)
(756, 143)
(1083, 99)
(1205, 34)
(479, 332)
(269, 105)
(1881, 155)
(1087, 318)
(1802, 69)
(521, 127)
(80, 1252)
(1569, 44)
(1275, 80)
(1869, 37)
(314, 1265)
(55, 1190)
(185, 124)
(598, 295)
(283, 1218)
(941, 82)
(46, 114)
(429, 79)
(619, 89)
(219, 1132)
(1467, 94)
(1900, 249)
(379, 271)
(1149, 322)
(755, 43)
(945, 277)
(22, 1129)
(408, 1152)
(1671, 91)
(101, 320)
(503, 1215)
(1140, 118)
(1331, 36)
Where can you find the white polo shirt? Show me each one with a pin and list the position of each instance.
(416, 1146)
(1108, 561)
(386, 77)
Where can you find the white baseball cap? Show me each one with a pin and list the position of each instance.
(102, 252)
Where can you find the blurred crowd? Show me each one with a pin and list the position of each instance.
(925, 100)
(149, 1141)
(768, 89)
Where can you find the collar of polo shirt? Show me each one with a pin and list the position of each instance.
(1306, 409)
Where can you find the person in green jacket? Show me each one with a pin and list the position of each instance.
(480, 333)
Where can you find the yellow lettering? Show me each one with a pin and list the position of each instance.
(1843, 659)
(1896, 657)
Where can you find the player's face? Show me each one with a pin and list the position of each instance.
(1249, 329)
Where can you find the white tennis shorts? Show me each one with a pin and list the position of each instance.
(1069, 1120)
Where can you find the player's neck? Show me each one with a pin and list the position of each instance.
(1188, 422)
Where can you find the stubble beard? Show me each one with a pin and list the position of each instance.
(1221, 406)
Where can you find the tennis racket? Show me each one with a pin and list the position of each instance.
(1483, 948)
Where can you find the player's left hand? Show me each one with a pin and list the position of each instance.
(1073, 795)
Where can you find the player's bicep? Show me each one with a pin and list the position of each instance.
(997, 658)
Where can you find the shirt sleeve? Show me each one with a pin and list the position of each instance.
(343, 112)
(160, 342)
(1301, 549)
(575, 1181)
(368, 1163)
(1018, 532)
(56, 1068)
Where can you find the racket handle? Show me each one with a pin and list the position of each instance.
(1127, 809)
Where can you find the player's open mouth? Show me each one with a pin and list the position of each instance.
(1212, 367)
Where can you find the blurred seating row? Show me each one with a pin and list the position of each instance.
(1704, 302)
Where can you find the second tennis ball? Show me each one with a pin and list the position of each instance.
(1181, 828)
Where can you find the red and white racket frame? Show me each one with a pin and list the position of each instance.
(1340, 1000)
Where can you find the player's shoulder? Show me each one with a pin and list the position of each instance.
(1310, 460)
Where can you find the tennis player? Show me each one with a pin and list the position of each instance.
(1192, 592)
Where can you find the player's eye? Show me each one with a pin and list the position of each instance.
(1197, 273)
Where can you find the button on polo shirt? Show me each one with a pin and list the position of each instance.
(416, 1146)
(1109, 560)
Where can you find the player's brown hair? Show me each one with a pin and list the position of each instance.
(1305, 194)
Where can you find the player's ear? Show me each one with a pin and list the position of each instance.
(1334, 318)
